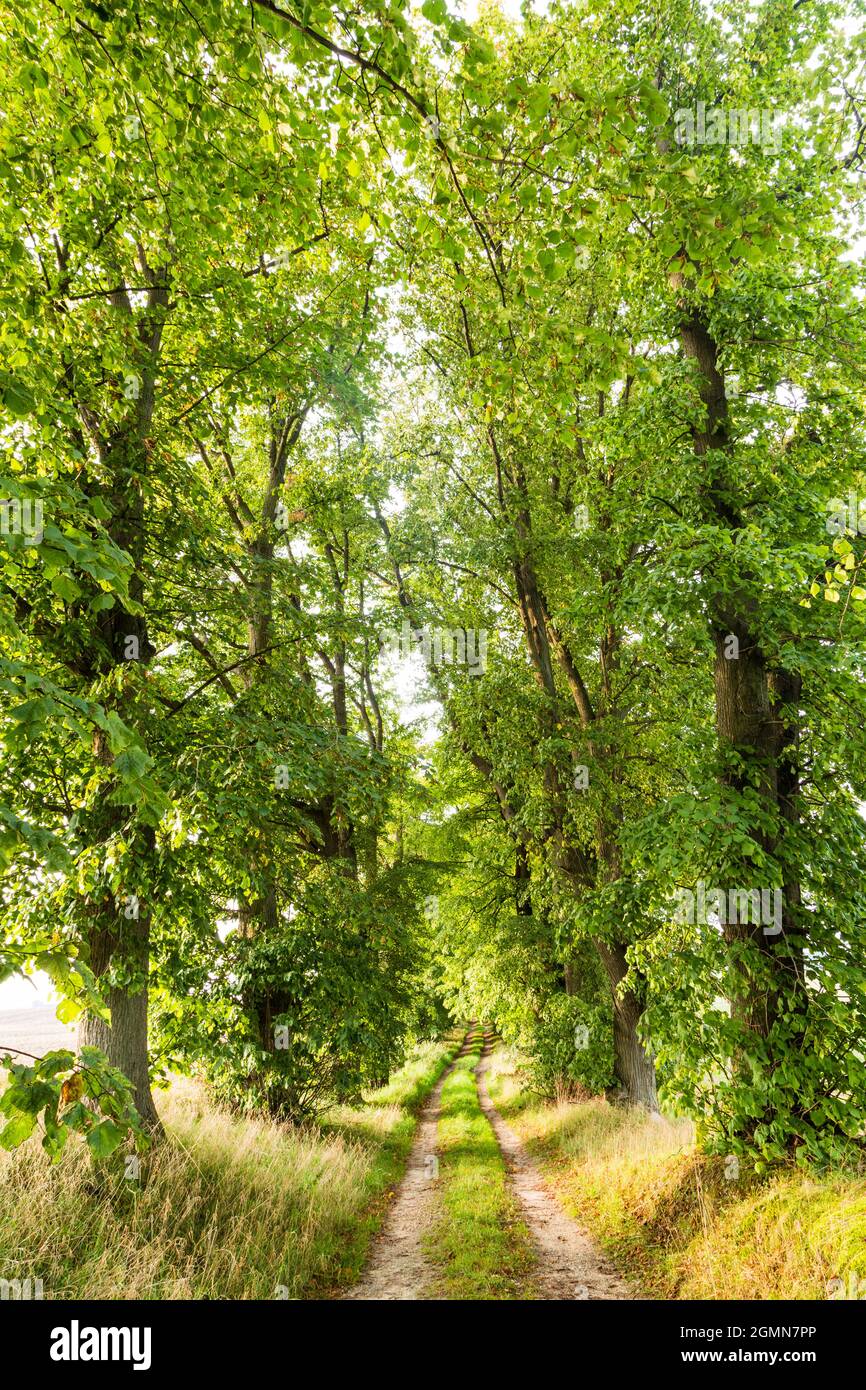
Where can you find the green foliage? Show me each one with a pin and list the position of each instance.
(69, 1094)
(310, 1013)
(568, 1047)
(316, 325)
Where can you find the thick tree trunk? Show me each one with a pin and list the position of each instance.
(114, 935)
(634, 1067)
(119, 932)
(124, 1042)
(750, 698)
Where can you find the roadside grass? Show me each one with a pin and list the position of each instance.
(227, 1207)
(668, 1215)
(479, 1243)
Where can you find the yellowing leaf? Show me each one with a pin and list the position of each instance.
(72, 1089)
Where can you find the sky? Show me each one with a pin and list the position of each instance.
(17, 993)
(469, 9)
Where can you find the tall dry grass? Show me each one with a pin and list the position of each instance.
(226, 1207)
(675, 1219)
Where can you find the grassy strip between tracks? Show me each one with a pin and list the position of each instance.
(479, 1242)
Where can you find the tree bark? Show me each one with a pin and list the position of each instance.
(750, 695)
(634, 1068)
(633, 1064)
(109, 933)
(124, 1040)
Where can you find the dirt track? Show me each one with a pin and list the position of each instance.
(398, 1268)
(569, 1266)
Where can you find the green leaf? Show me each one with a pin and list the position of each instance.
(104, 1138)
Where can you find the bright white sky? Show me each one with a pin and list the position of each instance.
(469, 8)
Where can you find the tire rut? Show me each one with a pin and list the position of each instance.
(398, 1267)
(570, 1265)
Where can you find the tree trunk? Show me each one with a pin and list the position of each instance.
(124, 1042)
(749, 697)
(111, 935)
(634, 1067)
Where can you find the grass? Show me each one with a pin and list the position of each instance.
(227, 1207)
(669, 1217)
(478, 1242)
